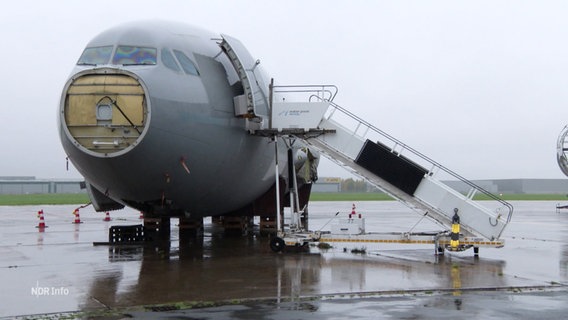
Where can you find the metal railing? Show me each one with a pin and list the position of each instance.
(327, 93)
(399, 147)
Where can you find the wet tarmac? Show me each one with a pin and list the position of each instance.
(58, 272)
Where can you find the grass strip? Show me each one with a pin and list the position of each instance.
(83, 198)
(43, 199)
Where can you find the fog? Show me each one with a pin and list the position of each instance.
(478, 86)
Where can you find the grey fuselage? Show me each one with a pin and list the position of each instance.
(159, 139)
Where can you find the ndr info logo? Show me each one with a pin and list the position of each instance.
(49, 291)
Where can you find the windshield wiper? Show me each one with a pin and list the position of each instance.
(139, 64)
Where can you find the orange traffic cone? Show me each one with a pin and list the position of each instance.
(77, 217)
(41, 224)
(107, 217)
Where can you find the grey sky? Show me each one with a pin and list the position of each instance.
(479, 86)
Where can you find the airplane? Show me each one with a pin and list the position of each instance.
(562, 150)
(159, 116)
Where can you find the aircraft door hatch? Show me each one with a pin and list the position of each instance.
(253, 104)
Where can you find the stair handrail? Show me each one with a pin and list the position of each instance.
(321, 90)
(327, 93)
(404, 146)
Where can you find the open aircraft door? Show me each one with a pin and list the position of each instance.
(253, 104)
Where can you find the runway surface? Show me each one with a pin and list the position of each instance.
(58, 272)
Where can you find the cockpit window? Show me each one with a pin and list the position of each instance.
(130, 55)
(169, 61)
(95, 55)
(186, 64)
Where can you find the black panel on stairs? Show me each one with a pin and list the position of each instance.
(397, 170)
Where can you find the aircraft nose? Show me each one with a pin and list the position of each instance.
(105, 114)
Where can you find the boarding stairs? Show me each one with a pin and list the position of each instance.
(387, 163)
(348, 140)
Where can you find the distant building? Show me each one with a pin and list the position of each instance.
(31, 185)
(327, 184)
(516, 186)
(497, 186)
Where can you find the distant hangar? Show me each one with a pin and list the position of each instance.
(32, 185)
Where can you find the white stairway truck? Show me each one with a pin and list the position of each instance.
(390, 165)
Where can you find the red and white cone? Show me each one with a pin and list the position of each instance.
(107, 217)
(352, 214)
(41, 224)
(77, 216)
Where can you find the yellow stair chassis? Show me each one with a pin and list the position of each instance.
(439, 240)
(397, 238)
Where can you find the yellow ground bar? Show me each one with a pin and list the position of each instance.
(406, 241)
